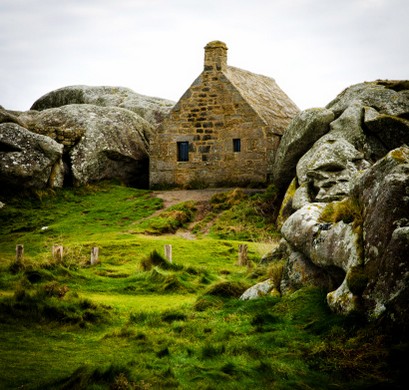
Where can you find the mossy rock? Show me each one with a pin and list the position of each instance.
(357, 280)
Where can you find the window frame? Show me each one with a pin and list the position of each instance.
(236, 145)
(182, 151)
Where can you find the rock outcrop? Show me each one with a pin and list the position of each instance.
(28, 160)
(95, 142)
(345, 216)
(383, 195)
(152, 109)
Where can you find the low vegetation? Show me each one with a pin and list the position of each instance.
(135, 320)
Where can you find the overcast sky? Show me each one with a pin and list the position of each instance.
(312, 48)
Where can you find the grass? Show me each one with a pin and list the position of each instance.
(136, 321)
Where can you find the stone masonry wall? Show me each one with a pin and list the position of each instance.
(209, 116)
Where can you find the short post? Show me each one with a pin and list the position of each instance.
(168, 252)
(94, 255)
(57, 252)
(243, 257)
(19, 253)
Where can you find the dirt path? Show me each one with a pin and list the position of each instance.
(173, 197)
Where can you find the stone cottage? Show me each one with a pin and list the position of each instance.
(223, 131)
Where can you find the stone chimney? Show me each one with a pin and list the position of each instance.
(215, 56)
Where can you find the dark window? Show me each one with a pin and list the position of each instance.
(236, 145)
(183, 151)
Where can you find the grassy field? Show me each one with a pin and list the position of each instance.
(136, 321)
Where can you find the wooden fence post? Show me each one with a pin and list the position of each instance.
(94, 255)
(243, 257)
(57, 252)
(168, 252)
(19, 253)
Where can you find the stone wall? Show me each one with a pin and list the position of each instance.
(209, 116)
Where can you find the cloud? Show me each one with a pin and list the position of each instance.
(313, 48)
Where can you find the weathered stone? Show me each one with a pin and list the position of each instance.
(388, 97)
(28, 160)
(392, 130)
(360, 241)
(286, 208)
(383, 192)
(151, 109)
(280, 252)
(300, 272)
(258, 290)
(114, 144)
(329, 166)
(343, 301)
(66, 125)
(327, 245)
(329, 249)
(10, 117)
(301, 196)
(301, 227)
(348, 125)
(303, 131)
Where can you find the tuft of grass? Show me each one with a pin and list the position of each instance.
(346, 210)
(229, 289)
(154, 259)
(170, 220)
(48, 302)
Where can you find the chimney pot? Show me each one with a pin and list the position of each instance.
(215, 56)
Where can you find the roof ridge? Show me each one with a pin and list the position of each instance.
(264, 96)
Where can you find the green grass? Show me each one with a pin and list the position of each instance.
(135, 321)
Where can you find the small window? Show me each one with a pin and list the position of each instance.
(236, 145)
(183, 151)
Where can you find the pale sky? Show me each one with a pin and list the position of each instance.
(312, 48)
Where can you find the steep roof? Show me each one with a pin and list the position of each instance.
(266, 98)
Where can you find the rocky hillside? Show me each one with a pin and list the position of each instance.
(345, 214)
(79, 134)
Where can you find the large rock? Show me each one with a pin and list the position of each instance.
(329, 167)
(346, 213)
(306, 128)
(258, 290)
(300, 272)
(392, 130)
(114, 145)
(28, 160)
(99, 142)
(386, 96)
(152, 109)
(383, 192)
